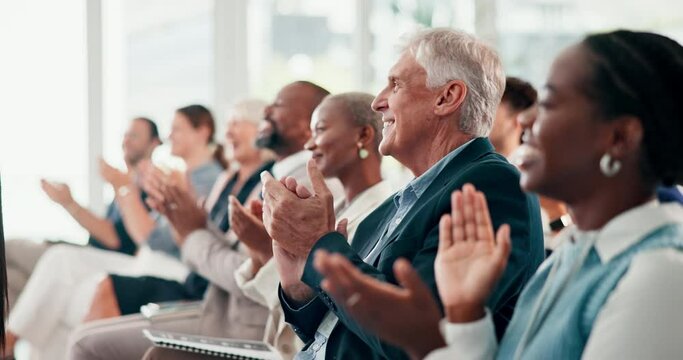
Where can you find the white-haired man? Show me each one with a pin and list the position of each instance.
(438, 107)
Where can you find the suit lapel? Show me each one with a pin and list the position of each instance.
(474, 151)
(373, 226)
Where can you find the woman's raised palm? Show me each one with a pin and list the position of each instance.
(470, 260)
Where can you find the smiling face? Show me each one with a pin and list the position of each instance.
(334, 141)
(138, 142)
(185, 138)
(286, 119)
(564, 140)
(240, 136)
(407, 106)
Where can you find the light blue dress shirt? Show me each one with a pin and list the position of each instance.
(408, 196)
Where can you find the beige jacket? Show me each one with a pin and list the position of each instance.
(214, 255)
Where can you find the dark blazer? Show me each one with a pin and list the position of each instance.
(416, 239)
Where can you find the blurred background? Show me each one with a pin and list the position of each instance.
(74, 72)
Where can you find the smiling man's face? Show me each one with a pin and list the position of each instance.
(407, 106)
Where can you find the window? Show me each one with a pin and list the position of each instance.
(301, 40)
(43, 132)
(158, 56)
(532, 33)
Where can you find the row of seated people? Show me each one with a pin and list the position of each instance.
(278, 147)
(269, 247)
(142, 242)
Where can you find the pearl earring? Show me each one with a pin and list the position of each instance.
(362, 153)
(609, 166)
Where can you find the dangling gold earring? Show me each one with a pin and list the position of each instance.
(362, 152)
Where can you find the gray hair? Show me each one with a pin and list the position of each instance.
(448, 54)
(359, 106)
(250, 110)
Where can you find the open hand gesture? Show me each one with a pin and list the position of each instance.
(114, 176)
(57, 192)
(470, 260)
(405, 316)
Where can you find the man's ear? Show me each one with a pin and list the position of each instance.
(450, 98)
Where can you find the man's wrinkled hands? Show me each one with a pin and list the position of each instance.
(295, 217)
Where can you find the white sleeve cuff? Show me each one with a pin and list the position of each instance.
(196, 240)
(260, 287)
(473, 340)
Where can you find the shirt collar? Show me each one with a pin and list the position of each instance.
(627, 228)
(291, 162)
(420, 184)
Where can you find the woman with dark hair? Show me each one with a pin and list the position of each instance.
(199, 116)
(192, 139)
(608, 131)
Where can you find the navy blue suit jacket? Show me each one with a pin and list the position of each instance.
(416, 239)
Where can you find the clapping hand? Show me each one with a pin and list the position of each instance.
(114, 176)
(154, 178)
(470, 260)
(249, 228)
(181, 209)
(57, 192)
(376, 305)
(294, 217)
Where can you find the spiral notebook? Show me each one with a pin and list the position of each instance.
(224, 348)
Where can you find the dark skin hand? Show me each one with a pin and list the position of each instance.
(247, 225)
(374, 304)
(469, 262)
(471, 258)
